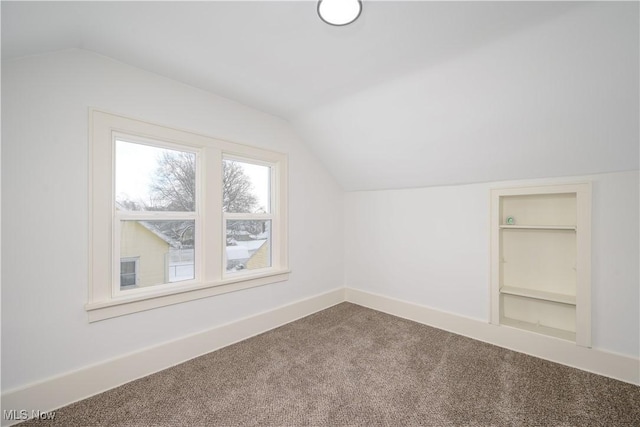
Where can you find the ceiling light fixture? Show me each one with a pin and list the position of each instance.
(339, 12)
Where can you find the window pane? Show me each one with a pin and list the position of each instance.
(248, 245)
(128, 267)
(246, 187)
(154, 179)
(127, 280)
(164, 251)
(127, 272)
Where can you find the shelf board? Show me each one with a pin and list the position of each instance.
(538, 227)
(541, 295)
(540, 329)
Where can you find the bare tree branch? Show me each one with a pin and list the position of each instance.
(173, 188)
(237, 194)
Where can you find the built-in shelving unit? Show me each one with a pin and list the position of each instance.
(540, 260)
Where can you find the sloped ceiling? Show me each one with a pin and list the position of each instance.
(412, 94)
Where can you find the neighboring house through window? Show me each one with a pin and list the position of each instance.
(162, 199)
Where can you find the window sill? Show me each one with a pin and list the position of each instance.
(122, 306)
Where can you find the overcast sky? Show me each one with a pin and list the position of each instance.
(136, 164)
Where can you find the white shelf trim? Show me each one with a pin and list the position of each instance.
(540, 227)
(541, 295)
(541, 329)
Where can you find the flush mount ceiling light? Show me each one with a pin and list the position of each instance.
(339, 12)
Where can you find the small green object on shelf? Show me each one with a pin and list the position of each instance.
(510, 220)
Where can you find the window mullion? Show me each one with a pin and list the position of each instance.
(212, 240)
(154, 216)
(249, 216)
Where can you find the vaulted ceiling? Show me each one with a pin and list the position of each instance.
(411, 94)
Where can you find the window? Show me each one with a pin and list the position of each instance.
(177, 216)
(128, 272)
(156, 210)
(246, 204)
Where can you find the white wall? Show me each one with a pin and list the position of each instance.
(45, 101)
(567, 86)
(430, 246)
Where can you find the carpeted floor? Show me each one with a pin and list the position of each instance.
(352, 366)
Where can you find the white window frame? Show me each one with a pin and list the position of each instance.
(270, 216)
(120, 216)
(105, 299)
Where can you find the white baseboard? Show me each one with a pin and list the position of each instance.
(620, 367)
(71, 387)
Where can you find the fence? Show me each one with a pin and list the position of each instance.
(181, 264)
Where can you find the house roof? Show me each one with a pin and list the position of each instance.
(173, 243)
(237, 252)
(251, 245)
(147, 224)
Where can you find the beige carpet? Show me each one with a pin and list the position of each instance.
(352, 366)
